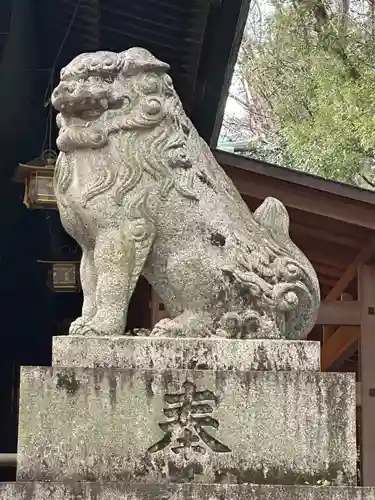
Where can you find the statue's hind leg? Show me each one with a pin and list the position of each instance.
(193, 281)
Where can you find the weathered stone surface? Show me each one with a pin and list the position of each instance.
(121, 491)
(178, 425)
(183, 353)
(142, 193)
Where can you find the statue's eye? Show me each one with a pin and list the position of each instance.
(149, 85)
(152, 106)
(108, 79)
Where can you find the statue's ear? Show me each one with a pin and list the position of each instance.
(136, 60)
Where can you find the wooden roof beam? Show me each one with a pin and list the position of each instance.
(339, 347)
(329, 330)
(224, 31)
(295, 177)
(351, 272)
(322, 234)
(328, 271)
(339, 313)
(302, 198)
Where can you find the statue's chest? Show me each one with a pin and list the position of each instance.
(86, 174)
(72, 179)
(82, 176)
(83, 221)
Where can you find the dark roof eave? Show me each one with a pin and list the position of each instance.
(222, 41)
(295, 177)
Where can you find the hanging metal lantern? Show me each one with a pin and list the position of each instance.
(37, 175)
(63, 276)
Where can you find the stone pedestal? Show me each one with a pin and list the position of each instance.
(123, 491)
(173, 425)
(219, 424)
(135, 417)
(162, 353)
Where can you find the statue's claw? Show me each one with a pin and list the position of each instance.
(76, 326)
(85, 328)
(188, 324)
(165, 328)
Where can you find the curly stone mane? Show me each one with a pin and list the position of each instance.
(142, 120)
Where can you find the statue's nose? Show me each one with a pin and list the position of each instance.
(64, 88)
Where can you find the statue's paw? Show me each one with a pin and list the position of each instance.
(186, 325)
(164, 328)
(99, 327)
(77, 326)
(85, 328)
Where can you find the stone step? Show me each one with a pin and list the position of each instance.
(106, 424)
(121, 491)
(162, 353)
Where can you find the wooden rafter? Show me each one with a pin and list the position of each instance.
(340, 346)
(340, 342)
(329, 330)
(339, 313)
(322, 259)
(351, 272)
(328, 271)
(323, 234)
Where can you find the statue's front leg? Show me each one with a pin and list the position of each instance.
(114, 263)
(88, 276)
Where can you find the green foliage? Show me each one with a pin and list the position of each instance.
(312, 75)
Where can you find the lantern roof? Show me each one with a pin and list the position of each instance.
(43, 163)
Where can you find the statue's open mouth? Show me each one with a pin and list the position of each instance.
(86, 109)
(77, 100)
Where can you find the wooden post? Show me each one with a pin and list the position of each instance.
(158, 311)
(366, 295)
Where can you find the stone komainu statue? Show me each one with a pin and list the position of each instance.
(141, 193)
